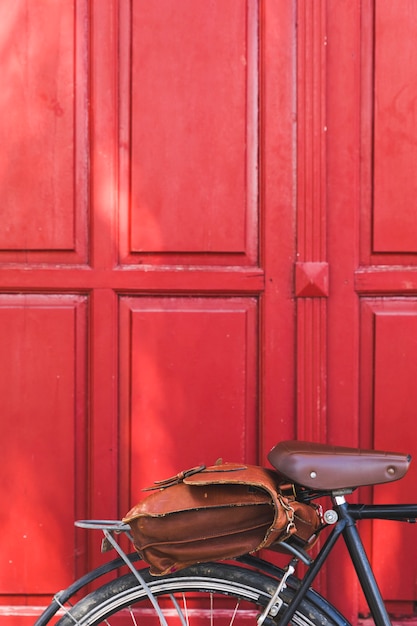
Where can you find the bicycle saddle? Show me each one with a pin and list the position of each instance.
(331, 468)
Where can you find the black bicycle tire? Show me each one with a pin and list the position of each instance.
(230, 580)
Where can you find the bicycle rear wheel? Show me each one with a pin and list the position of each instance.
(209, 594)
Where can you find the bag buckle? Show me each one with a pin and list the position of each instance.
(289, 512)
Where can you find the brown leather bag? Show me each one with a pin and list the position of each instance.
(214, 513)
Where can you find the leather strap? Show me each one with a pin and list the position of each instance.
(174, 480)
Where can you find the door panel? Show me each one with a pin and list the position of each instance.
(43, 433)
(42, 180)
(191, 131)
(388, 130)
(395, 127)
(177, 410)
(389, 329)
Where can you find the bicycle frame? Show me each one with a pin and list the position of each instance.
(348, 515)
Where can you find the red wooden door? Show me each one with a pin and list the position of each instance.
(372, 247)
(147, 248)
(354, 275)
(184, 277)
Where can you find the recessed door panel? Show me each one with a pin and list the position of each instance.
(42, 359)
(193, 128)
(389, 344)
(42, 129)
(188, 384)
(395, 127)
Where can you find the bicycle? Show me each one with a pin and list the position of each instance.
(263, 594)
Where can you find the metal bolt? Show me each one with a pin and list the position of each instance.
(330, 517)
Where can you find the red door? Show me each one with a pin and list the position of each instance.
(207, 244)
(147, 249)
(372, 252)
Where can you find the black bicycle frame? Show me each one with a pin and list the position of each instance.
(393, 512)
(348, 515)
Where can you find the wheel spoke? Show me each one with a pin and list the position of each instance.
(134, 622)
(184, 602)
(234, 613)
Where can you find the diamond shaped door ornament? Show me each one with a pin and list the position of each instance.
(312, 280)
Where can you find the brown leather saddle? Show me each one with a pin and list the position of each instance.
(331, 468)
